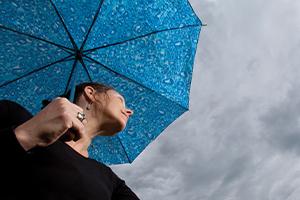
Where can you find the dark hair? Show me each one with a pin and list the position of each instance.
(99, 87)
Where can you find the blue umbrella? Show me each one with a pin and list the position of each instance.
(144, 49)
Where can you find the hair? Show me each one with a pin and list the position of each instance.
(99, 87)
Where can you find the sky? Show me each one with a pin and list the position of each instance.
(241, 137)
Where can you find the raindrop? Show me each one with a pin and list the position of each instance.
(82, 28)
(42, 48)
(120, 9)
(138, 28)
(22, 41)
(14, 4)
(130, 131)
(168, 81)
(161, 112)
(140, 89)
(177, 43)
(183, 74)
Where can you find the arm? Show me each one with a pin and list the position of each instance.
(11, 115)
(121, 190)
(43, 129)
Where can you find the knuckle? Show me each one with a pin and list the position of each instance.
(68, 124)
(64, 116)
(62, 100)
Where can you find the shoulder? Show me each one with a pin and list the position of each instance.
(105, 169)
(10, 104)
(13, 113)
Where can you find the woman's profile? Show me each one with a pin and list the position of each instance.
(45, 156)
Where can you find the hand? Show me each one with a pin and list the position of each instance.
(52, 122)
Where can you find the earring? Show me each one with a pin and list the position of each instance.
(88, 107)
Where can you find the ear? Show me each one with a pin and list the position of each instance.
(89, 93)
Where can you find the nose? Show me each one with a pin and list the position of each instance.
(129, 112)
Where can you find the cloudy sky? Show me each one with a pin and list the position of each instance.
(241, 137)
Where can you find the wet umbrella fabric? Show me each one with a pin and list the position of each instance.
(144, 49)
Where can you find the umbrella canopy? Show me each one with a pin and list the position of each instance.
(144, 49)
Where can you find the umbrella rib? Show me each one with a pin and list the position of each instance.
(87, 71)
(48, 65)
(69, 79)
(141, 36)
(125, 77)
(94, 20)
(64, 25)
(37, 38)
(124, 149)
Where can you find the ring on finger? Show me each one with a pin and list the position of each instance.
(80, 116)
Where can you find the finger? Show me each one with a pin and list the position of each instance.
(83, 120)
(77, 127)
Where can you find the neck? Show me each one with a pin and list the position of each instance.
(91, 131)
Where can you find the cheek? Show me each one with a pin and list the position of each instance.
(112, 111)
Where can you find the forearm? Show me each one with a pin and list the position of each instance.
(24, 137)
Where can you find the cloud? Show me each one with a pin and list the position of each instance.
(282, 123)
(240, 139)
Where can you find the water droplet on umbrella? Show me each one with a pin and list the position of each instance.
(183, 74)
(140, 89)
(168, 81)
(177, 43)
(130, 131)
(82, 28)
(22, 41)
(161, 112)
(120, 9)
(14, 4)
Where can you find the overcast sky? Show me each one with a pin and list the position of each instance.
(241, 138)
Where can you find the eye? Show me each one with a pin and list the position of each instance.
(122, 101)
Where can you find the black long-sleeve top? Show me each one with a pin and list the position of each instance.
(54, 172)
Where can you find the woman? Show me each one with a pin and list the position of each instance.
(45, 156)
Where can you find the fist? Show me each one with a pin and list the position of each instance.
(57, 120)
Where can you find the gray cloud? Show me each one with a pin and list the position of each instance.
(240, 139)
(282, 123)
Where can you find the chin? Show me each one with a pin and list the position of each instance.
(117, 127)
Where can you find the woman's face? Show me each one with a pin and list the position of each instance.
(114, 113)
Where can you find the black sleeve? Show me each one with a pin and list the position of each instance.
(10, 146)
(12, 155)
(121, 190)
(11, 116)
